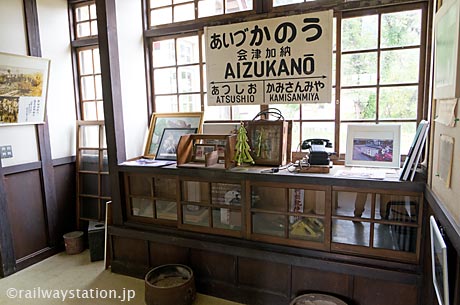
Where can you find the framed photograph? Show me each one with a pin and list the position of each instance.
(439, 263)
(268, 141)
(23, 89)
(167, 148)
(373, 145)
(201, 150)
(446, 33)
(160, 121)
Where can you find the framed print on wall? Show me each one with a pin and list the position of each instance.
(167, 148)
(160, 121)
(373, 145)
(439, 263)
(447, 52)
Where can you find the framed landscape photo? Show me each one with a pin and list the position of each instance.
(373, 145)
(160, 121)
(167, 148)
(201, 150)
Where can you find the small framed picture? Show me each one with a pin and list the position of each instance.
(167, 148)
(373, 145)
(201, 150)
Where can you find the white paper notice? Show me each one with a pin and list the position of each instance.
(445, 112)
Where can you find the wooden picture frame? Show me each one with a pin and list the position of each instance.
(167, 148)
(373, 145)
(268, 141)
(160, 121)
(439, 263)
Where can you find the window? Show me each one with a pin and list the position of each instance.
(85, 20)
(378, 64)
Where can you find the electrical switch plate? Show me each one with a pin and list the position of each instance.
(6, 151)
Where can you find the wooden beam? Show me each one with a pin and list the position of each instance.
(47, 172)
(111, 90)
(7, 258)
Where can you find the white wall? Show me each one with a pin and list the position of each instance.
(55, 43)
(133, 86)
(13, 40)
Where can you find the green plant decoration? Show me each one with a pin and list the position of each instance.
(242, 148)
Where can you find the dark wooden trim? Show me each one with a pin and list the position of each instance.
(76, 84)
(38, 256)
(84, 42)
(444, 217)
(64, 160)
(20, 168)
(7, 257)
(111, 90)
(47, 173)
(147, 60)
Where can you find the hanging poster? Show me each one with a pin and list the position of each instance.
(284, 60)
(23, 89)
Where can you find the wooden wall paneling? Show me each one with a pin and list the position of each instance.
(7, 261)
(130, 256)
(65, 198)
(306, 280)
(26, 213)
(113, 108)
(212, 265)
(370, 291)
(161, 254)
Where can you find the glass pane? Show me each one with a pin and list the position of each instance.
(181, 1)
(225, 193)
(226, 219)
(83, 29)
(189, 79)
(401, 28)
(98, 86)
(394, 237)
(350, 232)
(196, 215)
(216, 112)
(142, 207)
(89, 136)
(166, 209)
(140, 185)
(105, 186)
(358, 104)
(407, 135)
(87, 88)
(359, 33)
(89, 208)
(232, 6)
(189, 102)
(245, 112)
(184, 12)
(269, 198)
(89, 160)
(89, 184)
(163, 53)
(398, 208)
(194, 191)
(165, 188)
(86, 62)
(158, 3)
(161, 16)
(100, 110)
(97, 61)
(296, 141)
(359, 69)
(187, 50)
(92, 11)
(307, 201)
(165, 104)
(165, 80)
(82, 13)
(269, 224)
(306, 228)
(318, 111)
(89, 111)
(398, 102)
(322, 130)
(285, 2)
(210, 8)
(400, 66)
(289, 111)
(352, 204)
(105, 161)
(94, 28)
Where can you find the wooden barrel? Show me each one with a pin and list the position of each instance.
(316, 299)
(171, 284)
